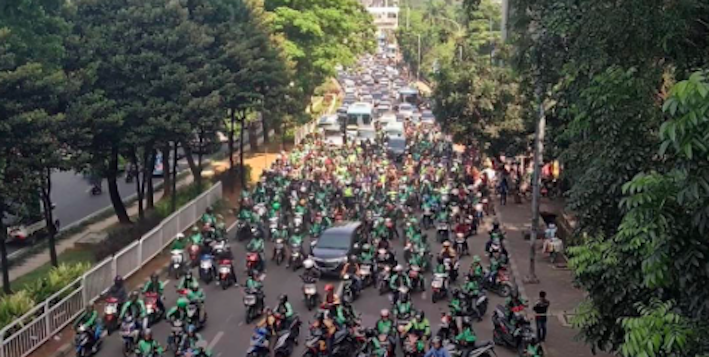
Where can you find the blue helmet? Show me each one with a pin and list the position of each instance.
(261, 331)
(191, 329)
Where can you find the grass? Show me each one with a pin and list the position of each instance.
(70, 256)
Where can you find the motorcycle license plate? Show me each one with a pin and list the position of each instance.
(224, 270)
(365, 269)
(250, 300)
(437, 284)
(279, 245)
(207, 264)
(150, 310)
(176, 259)
(442, 227)
(110, 309)
(310, 289)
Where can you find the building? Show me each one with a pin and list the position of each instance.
(385, 13)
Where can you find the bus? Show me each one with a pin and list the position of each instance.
(409, 95)
(359, 115)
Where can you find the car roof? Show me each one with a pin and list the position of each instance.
(343, 228)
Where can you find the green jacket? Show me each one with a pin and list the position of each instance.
(147, 348)
(316, 229)
(340, 317)
(255, 245)
(253, 284)
(129, 305)
(403, 307)
(467, 336)
(417, 259)
(87, 318)
(477, 271)
(394, 283)
(440, 269)
(156, 288)
(286, 309)
(176, 313)
(178, 244)
(196, 296)
(296, 240)
(385, 327)
(208, 218)
(196, 238)
(456, 307)
(185, 284)
(245, 215)
(423, 325)
(366, 257)
(471, 287)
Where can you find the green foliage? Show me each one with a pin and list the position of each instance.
(648, 284)
(184, 195)
(14, 306)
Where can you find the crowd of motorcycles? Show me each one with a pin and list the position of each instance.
(306, 191)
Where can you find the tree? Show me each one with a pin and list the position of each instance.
(320, 34)
(648, 284)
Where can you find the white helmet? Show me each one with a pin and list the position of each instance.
(179, 236)
(308, 263)
(398, 268)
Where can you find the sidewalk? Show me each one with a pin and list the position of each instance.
(558, 283)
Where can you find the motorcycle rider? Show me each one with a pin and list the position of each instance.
(179, 312)
(180, 243)
(471, 291)
(476, 271)
(420, 326)
(253, 282)
(196, 236)
(147, 346)
(257, 245)
(398, 278)
(367, 254)
(118, 290)
(89, 319)
(373, 345)
(310, 272)
(403, 305)
(385, 325)
(187, 281)
(466, 339)
(514, 301)
(331, 299)
(191, 339)
(209, 218)
(437, 349)
(352, 268)
(285, 309)
(135, 307)
(154, 285)
(447, 252)
(227, 254)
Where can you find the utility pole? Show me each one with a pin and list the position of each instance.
(418, 66)
(536, 176)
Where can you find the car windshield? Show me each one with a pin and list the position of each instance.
(367, 134)
(397, 143)
(332, 240)
(406, 108)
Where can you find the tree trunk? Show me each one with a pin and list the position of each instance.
(199, 160)
(3, 257)
(150, 202)
(173, 203)
(230, 145)
(139, 176)
(166, 165)
(111, 176)
(194, 168)
(242, 175)
(264, 127)
(253, 138)
(49, 216)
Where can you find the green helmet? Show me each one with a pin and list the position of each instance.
(476, 259)
(276, 206)
(195, 229)
(182, 303)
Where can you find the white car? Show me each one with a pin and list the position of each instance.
(406, 110)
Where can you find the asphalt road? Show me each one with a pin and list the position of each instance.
(228, 335)
(74, 202)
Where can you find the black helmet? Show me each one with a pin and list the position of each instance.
(118, 279)
(154, 276)
(283, 298)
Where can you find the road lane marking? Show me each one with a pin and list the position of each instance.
(215, 340)
(167, 281)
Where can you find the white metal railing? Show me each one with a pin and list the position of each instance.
(303, 131)
(29, 332)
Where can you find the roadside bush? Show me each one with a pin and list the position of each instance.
(57, 279)
(184, 195)
(15, 305)
(121, 236)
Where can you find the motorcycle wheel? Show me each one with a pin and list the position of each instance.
(434, 298)
(249, 318)
(225, 284)
(382, 288)
(505, 290)
(279, 259)
(127, 349)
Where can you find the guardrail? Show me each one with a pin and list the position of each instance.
(29, 332)
(303, 131)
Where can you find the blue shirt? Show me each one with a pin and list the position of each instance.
(440, 352)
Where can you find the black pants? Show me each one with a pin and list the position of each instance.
(541, 329)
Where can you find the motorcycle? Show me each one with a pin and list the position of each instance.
(129, 335)
(448, 328)
(315, 346)
(253, 305)
(110, 314)
(501, 286)
(151, 308)
(259, 346)
(253, 262)
(451, 268)
(194, 252)
(177, 266)
(244, 231)
(349, 291)
(287, 339)
(96, 190)
(279, 252)
(196, 314)
(310, 294)
(383, 279)
(484, 349)
(296, 256)
(427, 218)
(506, 334)
(460, 245)
(225, 276)
(410, 346)
(82, 341)
(442, 231)
(416, 278)
(439, 287)
(273, 226)
(177, 334)
(365, 273)
(206, 268)
(480, 301)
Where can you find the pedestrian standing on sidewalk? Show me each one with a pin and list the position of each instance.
(541, 308)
